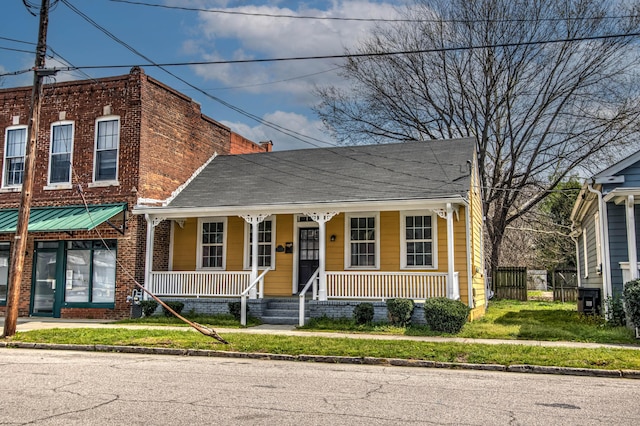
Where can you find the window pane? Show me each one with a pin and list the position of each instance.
(61, 139)
(77, 276)
(60, 168)
(15, 171)
(107, 150)
(106, 165)
(418, 241)
(108, 134)
(363, 241)
(16, 142)
(212, 244)
(104, 277)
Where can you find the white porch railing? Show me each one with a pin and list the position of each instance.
(199, 283)
(387, 285)
(259, 281)
(313, 281)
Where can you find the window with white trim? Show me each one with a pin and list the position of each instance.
(211, 242)
(418, 240)
(14, 153)
(362, 243)
(60, 153)
(106, 149)
(266, 246)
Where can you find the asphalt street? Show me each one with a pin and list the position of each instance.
(47, 387)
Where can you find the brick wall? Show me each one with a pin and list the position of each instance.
(164, 139)
(242, 145)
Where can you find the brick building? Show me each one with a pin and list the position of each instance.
(103, 145)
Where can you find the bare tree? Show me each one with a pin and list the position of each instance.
(528, 79)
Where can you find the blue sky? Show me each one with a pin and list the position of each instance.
(279, 92)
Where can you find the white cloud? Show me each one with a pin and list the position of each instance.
(225, 36)
(294, 123)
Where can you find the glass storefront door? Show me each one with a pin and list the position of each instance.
(45, 284)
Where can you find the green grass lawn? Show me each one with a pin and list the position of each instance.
(504, 320)
(604, 358)
(508, 319)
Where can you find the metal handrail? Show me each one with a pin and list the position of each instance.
(313, 280)
(243, 295)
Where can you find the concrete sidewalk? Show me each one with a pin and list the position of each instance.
(28, 324)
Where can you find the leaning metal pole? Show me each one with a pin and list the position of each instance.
(20, 244)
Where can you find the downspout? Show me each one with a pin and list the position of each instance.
(604, 234)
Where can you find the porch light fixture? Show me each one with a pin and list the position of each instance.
(280, 248)
(333, 237)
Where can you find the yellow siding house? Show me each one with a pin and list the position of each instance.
(325, 228)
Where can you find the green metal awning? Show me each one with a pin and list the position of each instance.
(61, 219)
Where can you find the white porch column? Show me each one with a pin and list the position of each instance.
(450, 259)
(152, 222)
(254, 220)
(631, 238)
(322, 219)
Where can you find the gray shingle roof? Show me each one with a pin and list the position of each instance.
(399, 171)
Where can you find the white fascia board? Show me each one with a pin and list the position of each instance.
(609, 179)
(619, 195)
(343, 207)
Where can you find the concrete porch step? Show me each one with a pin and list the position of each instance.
(281, 311)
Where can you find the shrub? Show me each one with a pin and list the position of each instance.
(176, 306)
(148, 307)
(363, 313)
(235, 310)
(445, 315)
(631, 296)
(399, 311)
(615, 309)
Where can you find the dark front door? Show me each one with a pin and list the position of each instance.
(308, 254)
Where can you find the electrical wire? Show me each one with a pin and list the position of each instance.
(349, 19)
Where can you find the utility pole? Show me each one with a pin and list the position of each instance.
(20, 243)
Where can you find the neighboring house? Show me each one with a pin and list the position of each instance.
(347, 224)
(108, 142)
(606, 225)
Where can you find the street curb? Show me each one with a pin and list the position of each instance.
(396, 362)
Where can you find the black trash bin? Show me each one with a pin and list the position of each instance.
(589, 301)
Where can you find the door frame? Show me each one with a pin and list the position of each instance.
(297, 225)
(58, 293)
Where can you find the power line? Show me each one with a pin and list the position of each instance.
(291, 133)
(349, 19)
(358, 55)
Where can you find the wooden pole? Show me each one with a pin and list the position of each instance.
(20, 243)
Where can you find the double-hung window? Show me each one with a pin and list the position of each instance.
(266, 247)
(60, 153)
(4, 272)
(107, 144)
(362, 249)
(90, 275)
(418, 240)
(211, 242)
(14, 153)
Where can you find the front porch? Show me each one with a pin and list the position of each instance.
(343, 289)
